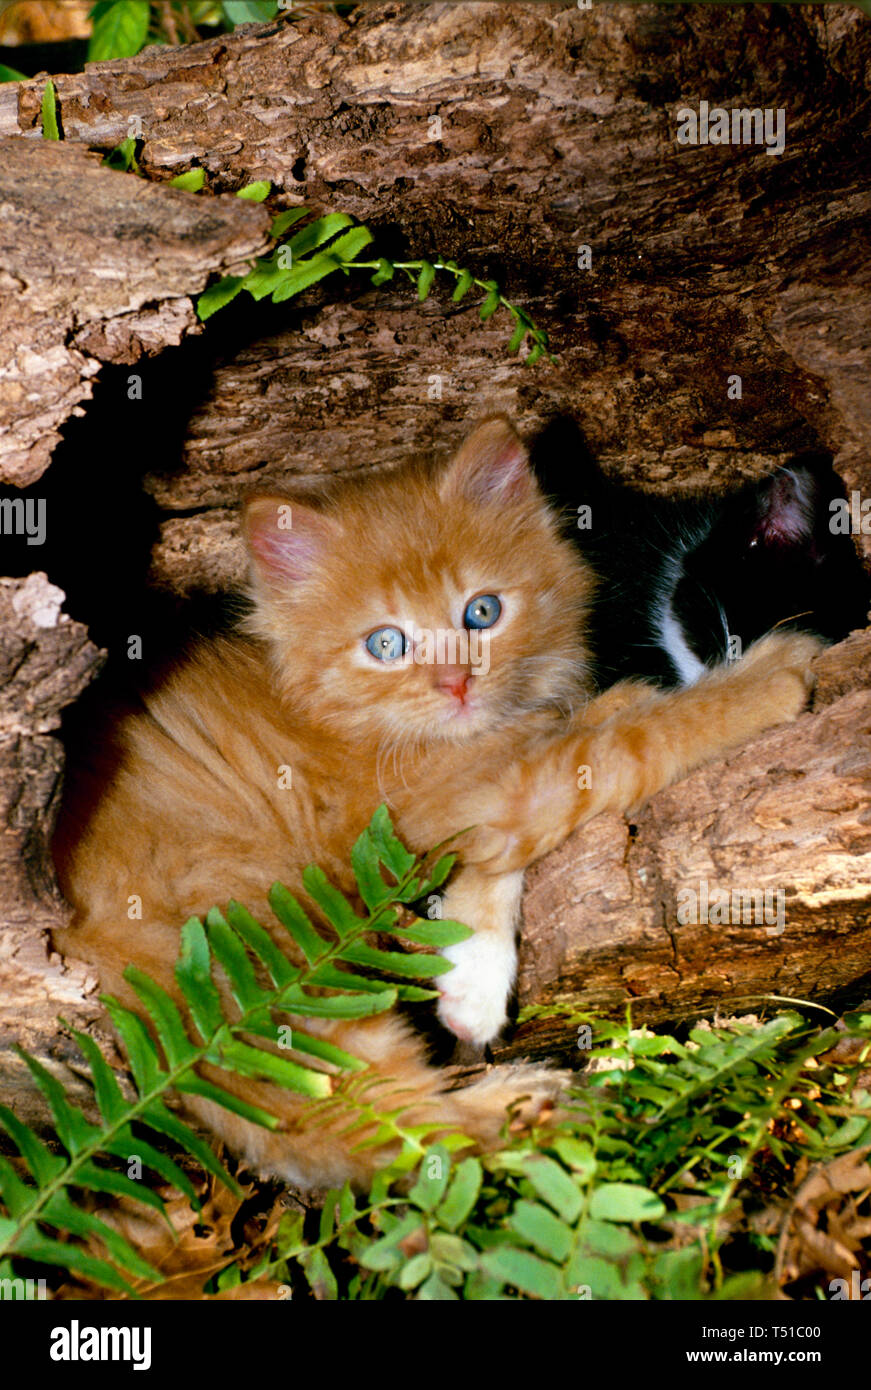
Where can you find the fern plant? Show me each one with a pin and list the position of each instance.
(633, 1194)
(44, 1196)
(333, 243)
(329, 245)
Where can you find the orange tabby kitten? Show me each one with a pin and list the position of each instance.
(414, 638)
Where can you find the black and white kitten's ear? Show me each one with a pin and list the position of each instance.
(286, 539)
(492, 465)
(789, 503)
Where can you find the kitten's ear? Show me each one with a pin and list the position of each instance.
(492, 465)
(788, 503)
(287, 539)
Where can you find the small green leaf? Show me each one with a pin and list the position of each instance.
(415, 1271)
(235, 961)
(464, 284)
(438, 874)
(191, 181)
(12, 74)
(303, 275)
(193, 1085)
(391, 851)
(334, 977)
(326, 1051)
(17, 1195)
(625, 1201)
(436, 1290)
(451, 1250)
(284, 220)
(462, 1194)
(577, 1153)
(525, 1272)
(49, 113)
(123, 157)
(384, 1254)
(62, 1213)
(553, 1184)
(437, 932)
(338, 1005)
(193, 973)
(216, 296)
(424, 280)
(158, 1117)
(364, 861)
(120, 29)
(606, 1281)
(167, 1020)
(74, 1130)
(491, 303)
(332, 902)
(126, 1147)
(255, 192)
(432, 1178)
(309, 238)
(385, 271)
(346, 247)
(417, 966)
(517, 337)
(141, 1052)
(238, 1057)
(266, 275)
(250, 11)
(43, 1164)
(292, 916)
(542, 1229)
(261, 943)
(110, 1100)
(33, 1245)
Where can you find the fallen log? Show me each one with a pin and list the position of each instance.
(508, 138)
(748, 880)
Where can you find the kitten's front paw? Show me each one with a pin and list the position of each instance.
(781, 662)
(474, 996)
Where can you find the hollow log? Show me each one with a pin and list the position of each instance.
(508, 137)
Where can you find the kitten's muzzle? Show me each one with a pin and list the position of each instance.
(455, 681)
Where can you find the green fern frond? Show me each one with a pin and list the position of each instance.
(44, 1196)
(333, 243)
(585, 1208)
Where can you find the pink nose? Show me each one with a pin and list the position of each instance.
(455, 682)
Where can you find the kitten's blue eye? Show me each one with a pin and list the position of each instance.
(387, 643)
(482, 611)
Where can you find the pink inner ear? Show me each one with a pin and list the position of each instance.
(492, 464)
(504, 475)
(287, 540)
(788, 514)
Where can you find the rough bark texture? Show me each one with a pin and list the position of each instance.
(790, 814)
(557, 130)
(45, 662)
(93, 268)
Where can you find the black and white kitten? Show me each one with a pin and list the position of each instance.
(687, 582)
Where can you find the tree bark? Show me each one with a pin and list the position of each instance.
(46, 661)
(506, 137)
(785, 820)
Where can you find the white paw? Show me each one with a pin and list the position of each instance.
(475, 993)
